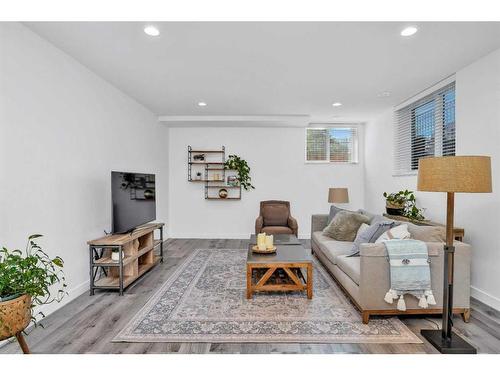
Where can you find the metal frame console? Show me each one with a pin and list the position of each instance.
(138, 252)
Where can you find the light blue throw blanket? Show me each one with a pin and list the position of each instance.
(410, 272)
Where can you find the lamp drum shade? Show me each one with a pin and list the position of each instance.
(455, 174)
(338, 195)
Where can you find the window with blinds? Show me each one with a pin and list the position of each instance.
(425, 128)
(332, 144)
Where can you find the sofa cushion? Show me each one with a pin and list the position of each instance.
(399, 232)
(319, 238)
(332, 249)
(350, 266)
(371, 234)
(275, 214)
(427, 233)
(344, 225)
(277, 230)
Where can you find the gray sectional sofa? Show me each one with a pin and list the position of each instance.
(366, 279)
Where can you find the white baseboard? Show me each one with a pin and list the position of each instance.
(485, 298)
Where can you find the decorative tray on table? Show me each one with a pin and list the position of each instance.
(271, 250)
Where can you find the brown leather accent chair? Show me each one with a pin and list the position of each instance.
(275, 218)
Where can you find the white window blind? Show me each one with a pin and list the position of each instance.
(332, 144)
(424, 128)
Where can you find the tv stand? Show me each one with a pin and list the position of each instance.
(138, 252)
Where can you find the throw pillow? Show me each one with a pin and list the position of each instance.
(344, 226)
(427, 233)
(361, 229)
(370, 235)
(334, 210)
(397, 233)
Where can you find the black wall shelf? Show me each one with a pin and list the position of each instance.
(209, 167)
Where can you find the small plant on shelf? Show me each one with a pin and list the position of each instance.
(241, 167)
(403, 203)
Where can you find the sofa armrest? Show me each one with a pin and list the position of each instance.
(375, 275)
(293, 225)
(318, 223)
(259, 223)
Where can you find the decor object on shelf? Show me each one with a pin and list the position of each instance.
(199, 157)
(338, 195)
(198, 176)
(223, 193)
(452, 174)
(241, 167)
(136, 256)
(26, 281)
(275, 218)
(115, 254)
(232, 180)
(403, 203)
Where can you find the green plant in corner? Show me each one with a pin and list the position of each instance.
(33, 274)
(241, 166)
(404, 203)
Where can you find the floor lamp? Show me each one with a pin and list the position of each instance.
(452, 174)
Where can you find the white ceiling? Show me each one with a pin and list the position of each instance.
(274, 68)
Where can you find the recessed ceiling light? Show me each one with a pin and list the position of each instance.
(151, 31)
(410, 30)
(336, 104)
(202, 104)
(384, 94)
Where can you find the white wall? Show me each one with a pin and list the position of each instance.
(63, 130)
(478, 133)
(278, 171)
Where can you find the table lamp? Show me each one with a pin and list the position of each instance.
(452, 174)
(338, 195)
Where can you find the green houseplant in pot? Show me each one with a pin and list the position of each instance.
(403, 203)
(240, 165)
(27, 279)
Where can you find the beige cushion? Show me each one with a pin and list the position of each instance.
(345, 225)
(427, 233)
(277, 230)
(350, 266)
(333, 249)
(319, 237)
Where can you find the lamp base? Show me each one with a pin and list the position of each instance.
(456, 345)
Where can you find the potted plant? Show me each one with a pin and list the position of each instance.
(403, 203)
(240, 165)
(26, 281)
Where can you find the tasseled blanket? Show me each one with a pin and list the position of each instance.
(410, 272)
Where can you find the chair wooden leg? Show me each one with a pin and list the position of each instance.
(366, 317)
(22, 343)
(466, 315)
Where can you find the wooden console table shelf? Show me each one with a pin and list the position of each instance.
(458, 233)
(136, 256)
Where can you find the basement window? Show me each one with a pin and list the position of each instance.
(332, 144)
(425, 128)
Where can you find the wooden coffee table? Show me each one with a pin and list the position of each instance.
(281, 271)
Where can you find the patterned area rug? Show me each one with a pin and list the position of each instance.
(204, 301)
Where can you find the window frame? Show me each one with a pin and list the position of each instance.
(355, 143)
(437, 95)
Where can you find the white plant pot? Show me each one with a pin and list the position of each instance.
(115, 256)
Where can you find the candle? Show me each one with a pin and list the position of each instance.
(261, 241)
(269, 242)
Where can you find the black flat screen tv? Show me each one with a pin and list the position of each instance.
(133, 198)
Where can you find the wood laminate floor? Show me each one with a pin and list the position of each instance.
(88, 324)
